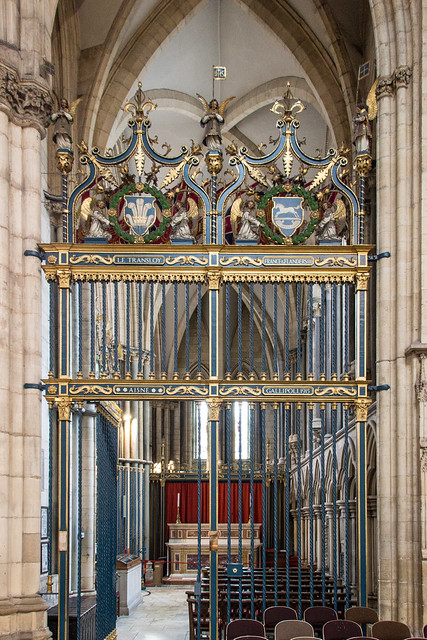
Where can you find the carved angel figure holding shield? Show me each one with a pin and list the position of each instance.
(212, 121)
(334, 216)
(94, 216)
(250, 226)
(180, 227)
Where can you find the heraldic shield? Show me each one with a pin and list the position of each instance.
(139, 213)
(287, 214)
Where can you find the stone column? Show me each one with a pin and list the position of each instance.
(401, 325)
(23, 105)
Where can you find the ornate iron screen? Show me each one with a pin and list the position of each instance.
(246, 289)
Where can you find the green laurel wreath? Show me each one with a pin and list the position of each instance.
(131, 188)
(308, 197)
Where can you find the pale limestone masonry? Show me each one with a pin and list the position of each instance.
(104, 75)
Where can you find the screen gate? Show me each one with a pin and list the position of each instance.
(220, 325)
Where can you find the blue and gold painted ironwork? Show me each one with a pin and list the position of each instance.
(149, 255)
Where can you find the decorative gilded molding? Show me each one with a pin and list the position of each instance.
(112, 635)
(335, 261)
(238, 261)
(214, 278)
(187, 389)
(187, 260)
(91, 259)
(362, 280)
(90, 390)
(237, 391)
(287, 277)
(214, 405)
(64, 279)
(64, 161)
(64, 408)
(335, 391)
(362, 405)
(27, 103)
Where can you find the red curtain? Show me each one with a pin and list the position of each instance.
(188, 501)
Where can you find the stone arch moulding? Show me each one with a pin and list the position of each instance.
(113, 79)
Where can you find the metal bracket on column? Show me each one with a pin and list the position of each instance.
(41, 255)
(379, 256)
(40, 386)
(380, 387)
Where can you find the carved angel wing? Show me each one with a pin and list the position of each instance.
(236, 212)
(223, 104)
(86, 209)
(371, 101)
(203, 101)
(193, 209)
(340, 211)
(159, 213)
(73, 105)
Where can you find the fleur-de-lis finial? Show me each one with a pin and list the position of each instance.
(141, 107)
(290, 105)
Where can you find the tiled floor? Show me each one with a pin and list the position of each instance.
(162, 615)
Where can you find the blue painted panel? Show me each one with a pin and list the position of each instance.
(271, 157)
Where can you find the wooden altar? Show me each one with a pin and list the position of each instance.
(183, 548)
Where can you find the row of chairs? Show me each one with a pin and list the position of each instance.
(283, 621)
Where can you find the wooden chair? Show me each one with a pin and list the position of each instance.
(390, 630)
(288, 629)
(341, 630)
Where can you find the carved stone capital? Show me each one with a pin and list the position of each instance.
(385, 87)
(423, 454)
(402, 76)
(27, 103)
(54, 208)
(421, 384)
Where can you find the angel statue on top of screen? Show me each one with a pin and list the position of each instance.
(62, 121)
(212, 121)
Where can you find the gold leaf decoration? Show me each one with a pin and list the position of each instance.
(256, 174)
(139, 157)
(321, 176)
(288, 158)
(172, 175)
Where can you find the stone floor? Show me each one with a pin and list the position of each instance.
(162, 615)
